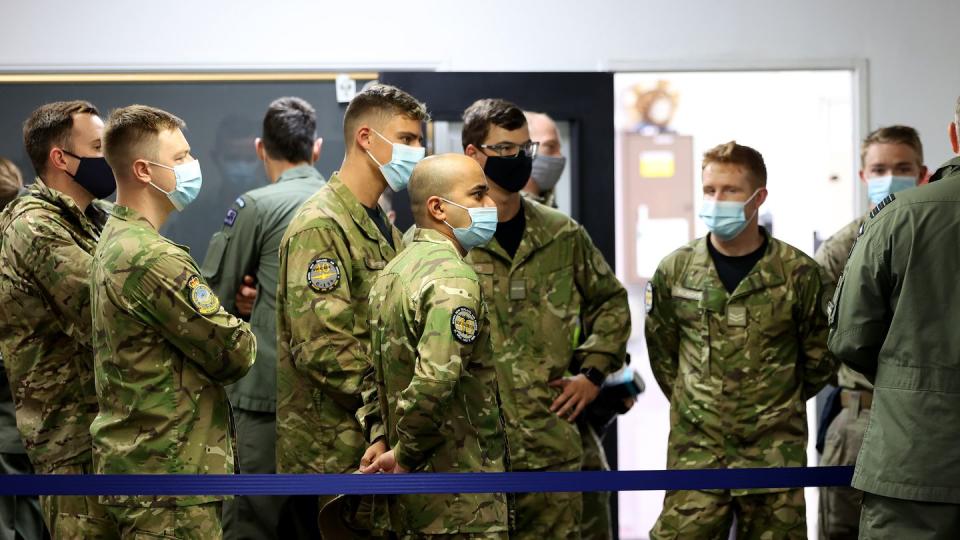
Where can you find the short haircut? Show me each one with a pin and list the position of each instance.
(739, 155)
(427, 180)
(383, 101)
(131, 134)
(10, 181)
(893, 135)
(50, 126)
(478, 118)
(289, 130)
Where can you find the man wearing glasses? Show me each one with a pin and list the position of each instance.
(559, 318)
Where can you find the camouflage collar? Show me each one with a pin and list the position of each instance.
(136, 219)
(433, 237)
(61, 200)
(300, 171)
(702, 274)
(359, 215)
(949, 168)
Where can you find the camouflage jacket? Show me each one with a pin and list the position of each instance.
(47, 243)
(546, 198)
(437, 385)
(738, 368)
(556, 284)
(164, 349)
(329, 257)
(832, 256)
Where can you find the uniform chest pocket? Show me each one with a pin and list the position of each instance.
(363, 272)
(771, 322)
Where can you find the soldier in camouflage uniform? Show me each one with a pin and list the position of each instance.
(430, 341)
(164, 347)
(891, 160)
(548, 166)
(335, 246)
(544, 282)
(48, 238)
(736, 334)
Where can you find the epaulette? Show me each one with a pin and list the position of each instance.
(887, 200)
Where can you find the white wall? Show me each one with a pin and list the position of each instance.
(910, 46)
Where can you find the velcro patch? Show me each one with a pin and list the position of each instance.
(231, 218)
(323, 274)
(464, 325)
(648, 297)
(887, 200)
(240, 202)
(202, 298)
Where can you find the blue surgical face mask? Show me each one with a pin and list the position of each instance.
(189, 181)
(397, 172)
(483, 224)
(880, 187)
(726, 219)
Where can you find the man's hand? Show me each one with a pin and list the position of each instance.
(373, 452)
(246, 296)
(577, 393)
(385, 463)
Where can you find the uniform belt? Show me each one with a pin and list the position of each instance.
(848, 397)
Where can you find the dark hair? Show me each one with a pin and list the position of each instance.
(49, 126)
(893, 135)
(478, 118)
(383, 100)
(732, 153)
(131, 134)
(289, 130)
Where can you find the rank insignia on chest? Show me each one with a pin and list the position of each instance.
(201, 297)
(323, 274)
(736, 316)
(648, 297)
(463, 324)
(887, 200)
(518, 289)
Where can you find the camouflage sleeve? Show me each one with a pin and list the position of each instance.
(319, 307)
(818, 363)
(605, 312)
(827, 258)
(449, 316)
(860, 311)
(232, 253)
(61, 272)
(662, 332)
(368, 415)
(172, 298)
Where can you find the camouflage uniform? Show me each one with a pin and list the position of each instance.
(840, 506)
(329, 257)
(164, 349)
(45, 342)
(737, 369)
(556, 283)
(437, 386)
(597, 521)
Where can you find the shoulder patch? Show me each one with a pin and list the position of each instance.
(231, 218)
(887, 200)
(463, 324)
(648, 297)
(240, 202)
(201, 297)
(323, 274)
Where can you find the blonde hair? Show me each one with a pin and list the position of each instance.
(893, 135)
(732, 153)
(131, 134)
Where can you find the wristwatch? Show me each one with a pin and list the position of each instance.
(594, 375)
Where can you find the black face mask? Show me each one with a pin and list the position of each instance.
(510, 173)
(94, 175)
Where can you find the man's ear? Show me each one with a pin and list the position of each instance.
(761, 197)
(435, 208)
(317, 147)
(954, 141)
(476, 154)
(55, 156)
(141, 171)
(362, 137)
(258, 146)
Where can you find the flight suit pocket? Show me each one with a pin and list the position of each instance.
(214, 258)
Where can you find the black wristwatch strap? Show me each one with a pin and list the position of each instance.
(594, 375)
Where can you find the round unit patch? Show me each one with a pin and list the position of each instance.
(202, 298)
(648, 297)
(464, 325)
(323, 274)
